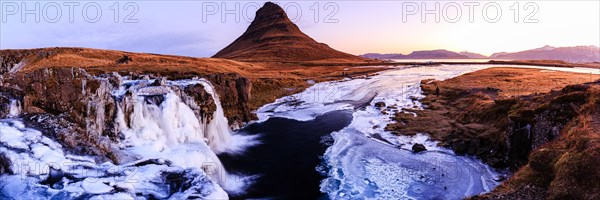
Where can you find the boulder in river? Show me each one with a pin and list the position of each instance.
(380, 104)
(418, 148)
(5, 164)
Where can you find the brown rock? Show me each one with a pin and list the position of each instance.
(5, 165)
(84, 104)
(234, 92)
(379, 105)
(418, 148)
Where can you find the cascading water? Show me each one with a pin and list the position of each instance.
(43, 170)
(162, 135)
(14, 108)
(162, 125)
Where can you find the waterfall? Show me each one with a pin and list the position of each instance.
(221, 142)
(157, 122)
(163, 130)
(14, 108)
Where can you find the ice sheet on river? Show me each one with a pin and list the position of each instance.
(365, 161)
(359, 167)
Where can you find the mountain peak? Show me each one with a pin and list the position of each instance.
(545, 48)
(272, 36)
(270, 9)
(270, 20)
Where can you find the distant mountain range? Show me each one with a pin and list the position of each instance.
(473, 55)
(577, 54)
(430, 54)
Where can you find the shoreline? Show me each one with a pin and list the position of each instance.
(477, 114)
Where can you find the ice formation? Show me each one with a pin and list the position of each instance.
(173, 149)
(365, 161)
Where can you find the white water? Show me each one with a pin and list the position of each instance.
(167, 131)
(14, 108)
(171, 130)
(224, 143)
(36, 158)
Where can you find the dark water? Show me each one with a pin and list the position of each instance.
(287, 157)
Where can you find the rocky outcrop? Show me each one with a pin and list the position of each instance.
(15, 60)
(196, 94)
(79, 110)
(501, 132)
(9, 60)
(235, 93)
(567, 166)
(71, 106)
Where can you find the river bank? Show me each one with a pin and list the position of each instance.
(522, 119)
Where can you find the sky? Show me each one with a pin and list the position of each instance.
(201, 28)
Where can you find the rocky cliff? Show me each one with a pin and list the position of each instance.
(564, 162)
(235, 92)
(79, 110)
(70, 105)
(233, 87)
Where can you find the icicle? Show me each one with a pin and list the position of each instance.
(14, 108)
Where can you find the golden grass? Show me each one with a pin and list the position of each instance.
(270, 80)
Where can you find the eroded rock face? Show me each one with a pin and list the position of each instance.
(79, 110)
(70, 105)
(10, 59)
(197, 93)
(235, 92)
(541, 121)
